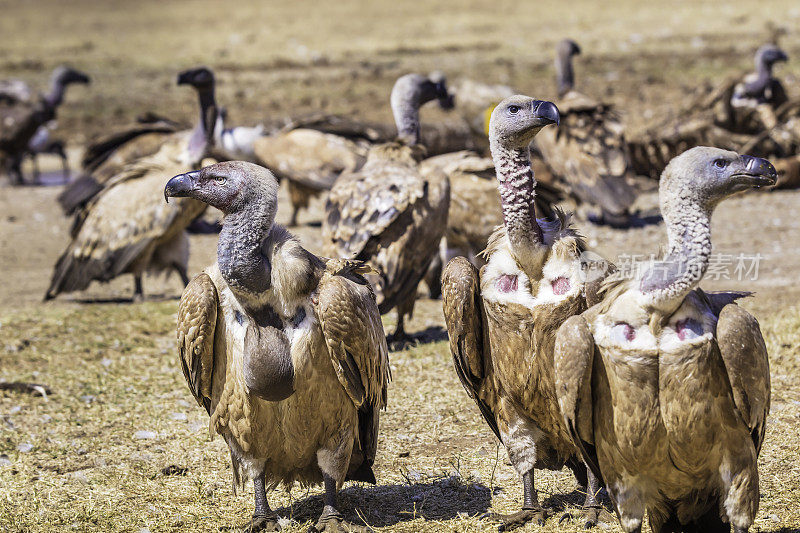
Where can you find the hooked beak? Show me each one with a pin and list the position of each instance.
(181, 186)
(184, 78)
(546, 113)
(447, 102)
(757, 172)
(82, 78)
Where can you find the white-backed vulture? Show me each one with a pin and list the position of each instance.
(388, 214)
(502, 322)
(587, 153)
(310, 157)
(665, 388)
(21, 116)
(285, 350)
(125, 228)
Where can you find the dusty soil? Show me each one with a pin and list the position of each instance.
(96, 454)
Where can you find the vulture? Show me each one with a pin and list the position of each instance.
(237, 141)
(311, 155)
(125, 228)
(587, 152)
(665, 388)
(22, 115)
(502, 321)
(388, 213)
(43, 143)
(760, 89)
(283, 349)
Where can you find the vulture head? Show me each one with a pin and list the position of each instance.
(567, 48)
(445, 98)
(565, 76)
(768, 55)
(199, 78)
(232, 187)
(64, 76)
(710, 175)
(517, 119)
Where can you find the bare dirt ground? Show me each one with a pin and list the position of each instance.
(119, 444)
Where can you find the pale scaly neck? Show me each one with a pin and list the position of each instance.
(240, 252)
(517, 188)
(668, 281)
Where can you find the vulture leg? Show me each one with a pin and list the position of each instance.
(331, 520)
(531, 510)
(591, 506)
(64, 168)
(433, 277)
(138, 293)
(182, 273)
(264, 518)
(400, 339)
(293, 221)
(35, 165)
(15, 172)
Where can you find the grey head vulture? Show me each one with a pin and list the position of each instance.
(311, 155)
(502, 321)
(22, 115)
(587, 153)
(388, 213)
(126, 228)
(666, 388)
(284, 350)
(762, 87)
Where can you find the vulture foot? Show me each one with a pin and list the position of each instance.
(268, 522)
(331, 521)
(591, 516)
(400, 341)
(512, 521)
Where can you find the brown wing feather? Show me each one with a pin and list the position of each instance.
(589, 154)
(745, 355)
(197, 318)
(573, 360)
(356, 342)
(465, 322)
(19, 122)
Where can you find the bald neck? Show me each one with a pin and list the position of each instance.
(242, 250)
(517, 188)
(688, 223)
(565, 76)
(55, 96)
(203, 133)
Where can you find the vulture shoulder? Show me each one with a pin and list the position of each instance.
(353, 332)
(466, 326)
(573, 358)
(747, 365)
(197, 319)
(309, 157)
(101, 148)
(19, 121)
(365, 204)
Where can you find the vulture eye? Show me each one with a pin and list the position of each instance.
(513, 109)
(220, 179)
(720, 163)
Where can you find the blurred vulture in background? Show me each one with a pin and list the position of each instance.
(664, 388)
(587, 153)
(23, 115)
(389, 214)
(237, 141)
(284, 350)
(127, 227)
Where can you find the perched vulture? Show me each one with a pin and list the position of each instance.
(22, 115)
(759, 91)
(665, 388)
(310, 155)
(502, 321)
(126, 228)
(388, 213)
(284, 350)
(587, 152)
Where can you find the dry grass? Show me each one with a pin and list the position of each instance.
(74, 462)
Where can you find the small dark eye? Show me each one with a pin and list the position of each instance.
(513, 109)
(720, 163)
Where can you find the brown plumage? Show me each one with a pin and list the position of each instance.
(664, 388)
(22, 114)
(502, 321)
(587, 152)
(388, 214)
(126, 228)
(294, 374)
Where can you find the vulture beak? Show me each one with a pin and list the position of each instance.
(181, 185)
(80, 77)
(185, 78)
(546, 113)
(757, 172)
